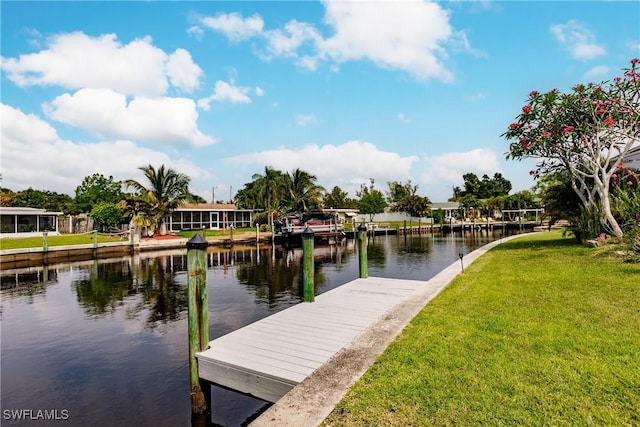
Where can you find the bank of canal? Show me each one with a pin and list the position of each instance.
(106, 340)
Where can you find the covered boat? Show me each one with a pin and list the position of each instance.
(320, 222)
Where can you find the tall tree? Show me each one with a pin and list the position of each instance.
(404, 198)
(586, 133)
(337, 199)
(248, 197)
(271, 189)
(96, 189)
(167, 190)
(372, 201)
(303, 194)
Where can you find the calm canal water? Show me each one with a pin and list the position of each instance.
(104, 342)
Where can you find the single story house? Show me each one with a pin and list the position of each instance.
(19, 221)
(209, 215)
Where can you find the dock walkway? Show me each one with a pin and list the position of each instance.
(271, 356)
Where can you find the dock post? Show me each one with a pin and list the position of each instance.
(131, 238)
(95, 243)
(45, 247)
(198, 315)
(308, 288)
(419, 226)
(362, 251)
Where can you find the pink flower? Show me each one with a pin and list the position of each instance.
(532, 172)
(514, 126)
(601, 111)
(546, 134)
(568, 129)
(609, 122)
(526, 108)
(635, 61)
(533, 93)
(523, 143)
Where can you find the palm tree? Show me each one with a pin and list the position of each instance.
(168, 189)
(270, 185)
(302, 191)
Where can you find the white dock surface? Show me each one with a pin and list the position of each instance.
(269, 357)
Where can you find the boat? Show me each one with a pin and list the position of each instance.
(321, 223)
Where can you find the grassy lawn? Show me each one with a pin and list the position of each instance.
(66, 239)
(539, 331)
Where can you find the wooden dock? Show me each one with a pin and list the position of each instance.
(269, 357)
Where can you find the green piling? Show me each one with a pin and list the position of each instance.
(308, 287)
(362, 251)
(198, 315)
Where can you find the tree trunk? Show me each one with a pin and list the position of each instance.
(606, 209)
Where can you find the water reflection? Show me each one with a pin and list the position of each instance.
(107, 339)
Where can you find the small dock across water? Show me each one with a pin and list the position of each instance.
(271, 356)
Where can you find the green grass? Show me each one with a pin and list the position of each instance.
(63, 240)
(540, 331)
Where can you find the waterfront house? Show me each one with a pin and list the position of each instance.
(20, 222)
(211, 216)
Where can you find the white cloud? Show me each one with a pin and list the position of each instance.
(234, 26)
(578, 40)
(403, 118)
(106, 113)
(448, 168)
(33, 155)
(182, 71)
(226, 92)
(347, 165)
(196, 32)
(259, 91)
(287, 41)
(409, 36)
(598, 72)
(76, 60)
(306, 119)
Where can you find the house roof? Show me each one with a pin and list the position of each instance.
(445, 205)
(210, 207)
(16, 210)
(632, 159)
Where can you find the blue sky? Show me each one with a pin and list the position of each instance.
(348, 91)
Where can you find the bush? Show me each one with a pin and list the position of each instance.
(586, 225)
(107, 215)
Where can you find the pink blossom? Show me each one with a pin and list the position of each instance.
(526, 108)
(514, 126)
(523, 143)
(532, 172)
(601, 111)
(546, 134)
(568, 129)
(533, 93)
(609, 122)
(635, 61)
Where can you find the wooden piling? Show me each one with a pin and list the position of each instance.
(308, 287)
(45, 247)
(362, 251)
(198, 315)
